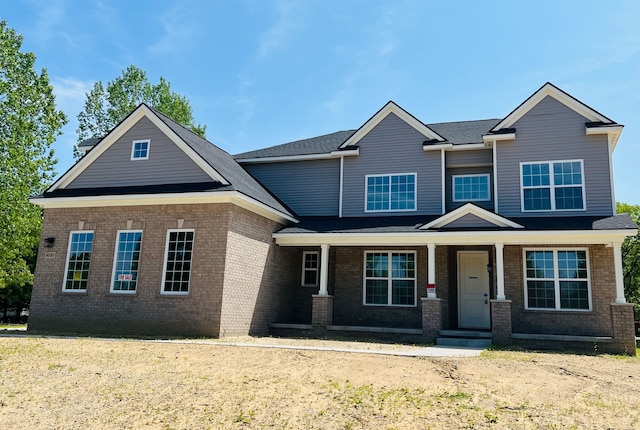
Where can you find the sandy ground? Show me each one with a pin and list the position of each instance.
(89, 383)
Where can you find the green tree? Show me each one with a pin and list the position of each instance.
(106, 106)
(631, 259)
(29, 124)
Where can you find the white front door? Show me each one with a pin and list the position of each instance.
(473, 290)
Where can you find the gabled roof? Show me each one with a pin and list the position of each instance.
(315, 145)
(387, 109)
(551, 90)
(476, 211)
(218, 164)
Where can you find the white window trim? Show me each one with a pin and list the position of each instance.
(66, 264)
(556, 279)
(389, 278)
(389, 175)
(453, 187)
(553, 187)
(304, 259)
(115, 261)
(164, 265)
(133, 148)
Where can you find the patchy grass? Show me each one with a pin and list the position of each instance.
(113, 384)
(13, 326)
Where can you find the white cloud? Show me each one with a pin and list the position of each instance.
(179, 31)
(278, 35)
(70, 94)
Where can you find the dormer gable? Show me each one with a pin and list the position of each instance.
(386, 110)
(595, 122)
(470, 216)
(141, 114)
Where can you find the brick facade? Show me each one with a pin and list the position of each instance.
(222, 232)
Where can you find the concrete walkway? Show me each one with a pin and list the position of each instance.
(399, 350)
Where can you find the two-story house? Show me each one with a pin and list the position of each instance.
(501, 228)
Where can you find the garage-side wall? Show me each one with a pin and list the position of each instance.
(146, 312)
(260, 276)
(588, 323)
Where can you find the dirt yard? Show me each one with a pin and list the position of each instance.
(113, 384)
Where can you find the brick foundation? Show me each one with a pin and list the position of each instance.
(431, 318)
(624, 340)
(322, 312)
(501, 322)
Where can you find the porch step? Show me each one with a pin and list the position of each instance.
(477, 339)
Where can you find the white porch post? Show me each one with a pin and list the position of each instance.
(324, 269)
(500, 270)
(617, 261)
(431, 271)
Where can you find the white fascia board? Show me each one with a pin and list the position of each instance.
(528, 237)
(284, 158)
(468, 146)
(472, 209)
(550, 90)
(233, 197)
(391, 107)
(488, 138)
(437, 147)
(118, 132)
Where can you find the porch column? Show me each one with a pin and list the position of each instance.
(431, 271)
(500, 270)
(324, 269)
(617, 262)
(322, 303)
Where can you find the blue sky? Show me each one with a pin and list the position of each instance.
(260, 73)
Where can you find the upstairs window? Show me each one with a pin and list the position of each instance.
(552, 186)
(387, 193)
(470, 188)
(78, 261)
(140, 149)
(310, 266)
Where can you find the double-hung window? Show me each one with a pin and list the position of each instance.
(552, 186)
(178, 257)
(140, 149)
(390, 193)
(310, 268)
(557, 279)
(76, 276)
(470, 188)
(126, 261)
(390, 278)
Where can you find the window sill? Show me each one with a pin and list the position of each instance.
(564, 311)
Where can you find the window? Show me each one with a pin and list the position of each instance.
(310, 265)
(557, 279)
(391, 192)
(469, 188)
(552, 186)
(140, 149)
(390, 278)
(178, 262)
(126, 261)
(78, 261)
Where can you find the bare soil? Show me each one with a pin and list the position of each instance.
(91, 383)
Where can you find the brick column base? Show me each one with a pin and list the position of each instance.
(624, 334)
(321, 312)
(501, 322)
(431, 318)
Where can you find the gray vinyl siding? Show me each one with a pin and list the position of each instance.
(551, 131)
(467, 158)
(307, 187)
(392, 147)
(469, 221)
(450, 204)
(167, 164)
